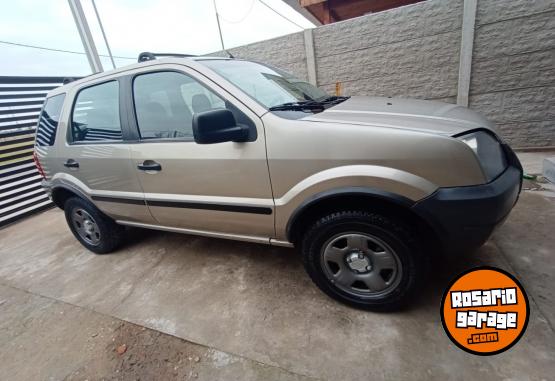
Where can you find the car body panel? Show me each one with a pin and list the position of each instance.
(407, 114)
(306, 158)
(104, 168)
(223, 174)
(192, 173)
(203, 175)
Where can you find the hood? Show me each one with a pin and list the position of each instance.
(412, 114)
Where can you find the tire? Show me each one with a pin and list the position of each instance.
(364, 260)
(96, 231)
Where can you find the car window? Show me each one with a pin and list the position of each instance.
(95, 116)
(267, 85)
(199, 98)
(165, 103)
(48, 120)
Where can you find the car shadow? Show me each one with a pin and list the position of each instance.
(288, 260)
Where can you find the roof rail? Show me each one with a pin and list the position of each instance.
(69, 80)
(148, 56)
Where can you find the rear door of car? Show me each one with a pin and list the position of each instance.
(220, 188)
(95, 154)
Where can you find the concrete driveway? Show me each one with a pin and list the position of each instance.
(255, 305)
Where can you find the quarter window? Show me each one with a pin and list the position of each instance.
(95, 115)
(48, 121)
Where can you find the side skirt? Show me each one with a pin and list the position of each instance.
(204, 233)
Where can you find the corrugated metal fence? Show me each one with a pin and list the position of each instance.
(21, 99)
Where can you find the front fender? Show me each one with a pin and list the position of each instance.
(376, 180)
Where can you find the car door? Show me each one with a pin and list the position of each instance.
(209, 188)
(96, 155)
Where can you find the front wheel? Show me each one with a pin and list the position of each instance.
(363, 259)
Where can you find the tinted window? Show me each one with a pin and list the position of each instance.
(96, 114)
(165, 103)
(48, 120)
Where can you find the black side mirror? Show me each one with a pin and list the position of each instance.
(217, 126)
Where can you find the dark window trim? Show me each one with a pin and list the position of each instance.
(122, 121)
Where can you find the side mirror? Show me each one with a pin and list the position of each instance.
(217, 126)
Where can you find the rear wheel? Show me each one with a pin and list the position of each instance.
(96, 231)
(363, 259)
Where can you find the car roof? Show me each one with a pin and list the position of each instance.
(159, 61)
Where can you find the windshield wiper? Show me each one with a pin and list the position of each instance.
(310, 105)
(333, 99)
(301, 106)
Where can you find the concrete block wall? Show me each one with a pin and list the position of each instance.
(286, 53)
(413, 51)
(513, 69)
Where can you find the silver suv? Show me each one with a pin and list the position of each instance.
(368, 189)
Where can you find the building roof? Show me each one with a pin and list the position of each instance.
(329, 11)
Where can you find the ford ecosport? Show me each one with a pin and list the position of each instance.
(367, 188)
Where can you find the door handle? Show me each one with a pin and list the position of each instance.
(70, 163)
(149, 165)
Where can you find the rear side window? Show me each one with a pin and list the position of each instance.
(48, 120)
(95, 116)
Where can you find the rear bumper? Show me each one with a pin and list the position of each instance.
(47, 187)
(464, 217)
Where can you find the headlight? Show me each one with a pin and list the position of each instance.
(489, 151)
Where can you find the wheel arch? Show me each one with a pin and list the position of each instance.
(61, 193)
(356, 198)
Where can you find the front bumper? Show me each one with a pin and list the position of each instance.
(463, 218)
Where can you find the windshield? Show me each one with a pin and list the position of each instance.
(267, 85)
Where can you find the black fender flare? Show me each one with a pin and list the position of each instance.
(68, 188)
(344, 191)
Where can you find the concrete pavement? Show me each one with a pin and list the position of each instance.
(256, 303)
(45, 339)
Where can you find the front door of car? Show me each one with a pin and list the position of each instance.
(96, 156)
(219, 188)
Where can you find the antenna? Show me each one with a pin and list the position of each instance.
(220, 30)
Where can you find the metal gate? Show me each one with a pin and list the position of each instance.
(21, 99)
